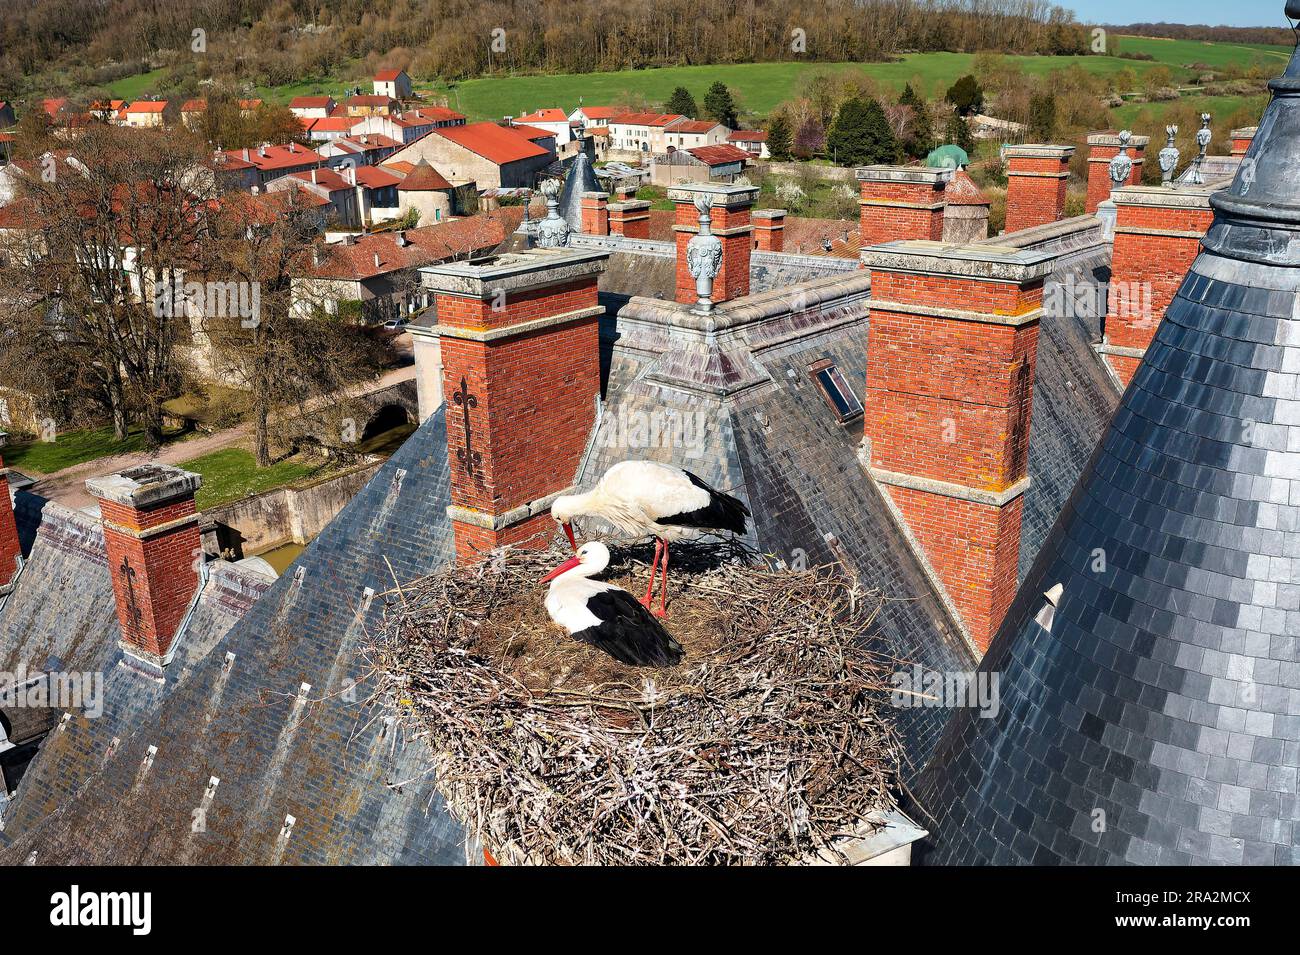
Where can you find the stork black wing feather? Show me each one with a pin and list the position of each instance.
(628, 632)
(723, 512)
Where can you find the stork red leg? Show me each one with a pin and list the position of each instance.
(663, 594)
(654, 568)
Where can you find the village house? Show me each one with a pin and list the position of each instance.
(311, 107)
(428, 193)
(440, 116)
(491, 155)
(688, 133)
(269, 163)
(363, 105)
(146, 113)
(636, 135)
(362, 149)
(593, 115)
(753, 141)
(404, 127)
(394, 84)
(551, 120)
(699, 164)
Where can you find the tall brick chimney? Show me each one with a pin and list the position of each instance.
(10, 549)
(595, 213)
(769, 230)
(901, 202)
(1242, 138)
(1036, 178)
(951, 351)
(630, 218)
(521, 373)
(729, 207)
(1102, 148)
(1158, 233)
(151, 535)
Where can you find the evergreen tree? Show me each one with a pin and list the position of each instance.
(966, 95)
(682, 102)
(778, 138)
(1042, 117)
(719, 105)
(861, 135)
(919, 137)
(958, 133)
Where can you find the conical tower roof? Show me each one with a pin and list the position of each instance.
(1149, 670)
(580, 178)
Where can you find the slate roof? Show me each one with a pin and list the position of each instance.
(1163, 690)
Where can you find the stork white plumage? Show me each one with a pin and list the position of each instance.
(605, 616)
(648, 499)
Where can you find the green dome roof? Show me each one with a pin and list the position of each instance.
(947, 157)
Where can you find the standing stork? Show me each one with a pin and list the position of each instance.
(644, 498)
(604, 616)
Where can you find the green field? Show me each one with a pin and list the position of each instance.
(232, 473)
(761, 86)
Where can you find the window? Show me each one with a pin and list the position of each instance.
(835, 389)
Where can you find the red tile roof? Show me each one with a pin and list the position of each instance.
(367, 100)
(311, 102)
(372, 177)
(718, 155)
(276, 157)
(436, 113)
(327, 178)
(645, 119)
(533, 133)
(249, 103)
(423, 178)
(387, 76)
(494, 143)
(333, 124)
(550, 115)
(748, 136)
(599, 112)
(194, 106)
(692, 126)
(426, 245)
(147, 106)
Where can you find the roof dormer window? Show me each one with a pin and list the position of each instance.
(835, 390)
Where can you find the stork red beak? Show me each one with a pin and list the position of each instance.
(569, 564)
(568, 530)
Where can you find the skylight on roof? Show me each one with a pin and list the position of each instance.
(836, 390)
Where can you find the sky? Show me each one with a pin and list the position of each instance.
(1240, 13)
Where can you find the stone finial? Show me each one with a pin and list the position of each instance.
(553, 231)
(1203, 143)
(704, 256)
(1121, 166)
(1169, 157)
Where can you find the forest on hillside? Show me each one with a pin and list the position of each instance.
(273, 42)
(1279, 35)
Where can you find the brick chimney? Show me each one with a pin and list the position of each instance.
(521, 372)
(951, 352)
(1158, 233)
(901, 202)
(1036, 178)
(595, 213)
(1241, 139)
(730, 210)
(10, 549)
(630, 219)
(151, 535)
(769, 230)
(1102, 148)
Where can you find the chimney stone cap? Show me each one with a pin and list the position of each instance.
(719, 194)
(1244, 132)
(1040, 151)
(513, 272)
(927, 175)
(595, 195)
(980, 262)
(768, 214)
(1176, 196)
(630, 205)
(146, 485)
(1111, 138)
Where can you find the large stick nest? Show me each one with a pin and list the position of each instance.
(772, 738)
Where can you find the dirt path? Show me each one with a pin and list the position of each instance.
(68, 486)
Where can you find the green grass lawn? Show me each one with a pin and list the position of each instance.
(232, 473)
(1218, 106)
(132, 87)
(1188, 52)
(71, 447)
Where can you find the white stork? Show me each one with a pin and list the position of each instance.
(604, 616)
(645, 498)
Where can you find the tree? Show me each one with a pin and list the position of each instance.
(918, 136)
(290, 353)
(966, 95)
(957, 132)
(778, 138)
(1042, 117)
(720, 106)
(861, 135)
(809, 139)
(682, 102)
(110, 228)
